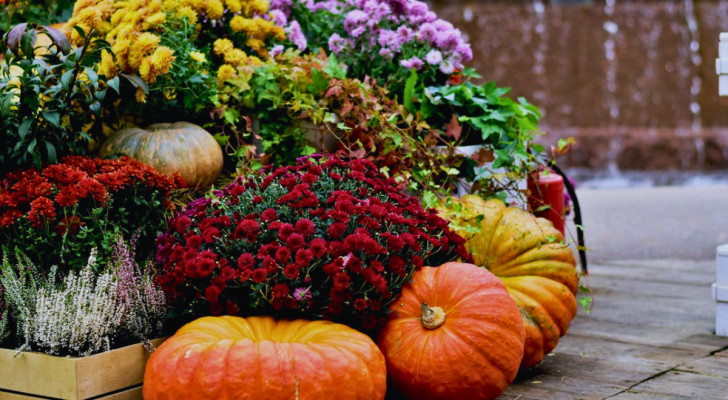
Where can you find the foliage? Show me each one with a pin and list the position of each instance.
(335, 240)
(51, 97)
(382, 39)
(86, 312)
(58, 214)
(44, 12)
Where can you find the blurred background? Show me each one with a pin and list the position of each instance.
(633, 81)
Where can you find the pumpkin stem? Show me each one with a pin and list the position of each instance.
(432, 317)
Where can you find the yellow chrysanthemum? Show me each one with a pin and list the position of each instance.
(260, 7)
(146, 70)
(255, 60)
(225, 72)
(279, 33)
(197, 56)
(214, 9)
(170, 94)
(75, 37)
(162, 59)
(157, 18)
(144, 44)
(107, 66)
(236, 57)
(241, 24)
(83, 4)
(233, 5)
(255, 44)
(121, 49)
(222, 46)
(196, 4)
(186, 12)
(90, 17)
(140, 96)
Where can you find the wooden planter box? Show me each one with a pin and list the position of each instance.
(115, 374)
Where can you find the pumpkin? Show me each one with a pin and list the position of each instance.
(454, 333)
(528, 255)
(179, 147)
(226, 358)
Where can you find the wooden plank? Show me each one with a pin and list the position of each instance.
(632, 395)
(130, 394)
(112, 370)
(17, 396)
(73, 378)
(691, 385)
(39, 374)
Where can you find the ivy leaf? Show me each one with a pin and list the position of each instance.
(454, 129)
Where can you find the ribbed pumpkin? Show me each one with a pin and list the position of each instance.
(527, 253)
(233, 358)
(454, 333)
(179, 147)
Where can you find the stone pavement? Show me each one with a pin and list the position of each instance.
(654, 223)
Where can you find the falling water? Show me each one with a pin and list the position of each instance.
(540, 51)
(694, 45)
(611, 27)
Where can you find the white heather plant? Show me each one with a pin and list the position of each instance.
(87, 312)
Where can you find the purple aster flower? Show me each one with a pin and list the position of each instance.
(283, 5)
(336, 43)
(448, 40)
(399, 7)
(386, 53)
(464, 51)
(302, 294)
(428, 32)
(279, 17)
(276, 50)
(354, 21)
(447, 67)
(443, 26)
(434, 57)
(404, 34)
(414, 62)
(388, 38)
(296, 36)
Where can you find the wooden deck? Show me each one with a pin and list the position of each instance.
(649, 336)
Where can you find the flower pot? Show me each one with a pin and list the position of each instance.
(546, 197)
(115, 374)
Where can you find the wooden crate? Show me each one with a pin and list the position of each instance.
(115, 374)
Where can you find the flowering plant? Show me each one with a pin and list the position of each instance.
(61, 212)
(86, 312)
(229, 33)
(383, 39)
(335, 240)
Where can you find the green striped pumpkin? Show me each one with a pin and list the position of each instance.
(179, 147)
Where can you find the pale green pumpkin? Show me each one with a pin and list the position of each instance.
(179, 147)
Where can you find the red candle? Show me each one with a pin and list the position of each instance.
(547, 190)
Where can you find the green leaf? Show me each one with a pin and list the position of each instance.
(51, 150)
(409, 91)
(319, 83)
(53, 117)
(27, 43)
(66, 79)
(24, 128)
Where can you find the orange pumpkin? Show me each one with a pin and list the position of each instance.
(233, 358)
(180, 147)
(454, 333)
(528, 255)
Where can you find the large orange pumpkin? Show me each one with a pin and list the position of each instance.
(454, 333)
(179, 147)
(233, 358)
(528, 255)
